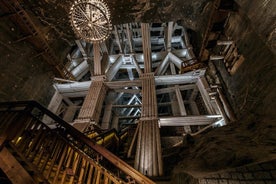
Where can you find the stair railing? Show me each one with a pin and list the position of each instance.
(63, 154)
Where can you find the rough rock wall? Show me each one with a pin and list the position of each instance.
(23, 76)
(252, 88)
(243, 142)
(54, 15)
(251, 91)
(262, 173)
(258, 173)
(262, 16)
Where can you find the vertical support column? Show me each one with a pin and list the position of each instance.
(115, 122)
(129, 38)
(146, 46)
(228, 109)
(148, 159)
(70, 113)
(97, 59)
(168, 39)
(203, 87)
(221, 109)
(53, 106)
(192, 102)
(174, 104)
(194, 108)
(118, 39)
(181, 105)
(180, 100)
(107, 116)
(92, 105)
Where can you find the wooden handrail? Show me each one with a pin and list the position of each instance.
(120, 164)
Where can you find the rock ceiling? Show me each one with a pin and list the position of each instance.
(53, 15)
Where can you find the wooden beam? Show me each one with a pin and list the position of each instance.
(146, 46)
(135, 63)
(129, 91)
(126, 106)
(129, 38)
(236, 65)
(107, 116)
(115, 67)
(53, 106)
(97, 59)
(81, 48)
(204, 89)
(161, 69)
(224, 42)
(70, 113)
(118, 39)
(13, 169)
(169, 33)
(189, 120)
(92, 105)
(122, 84)
(134, 139)
(176, 60)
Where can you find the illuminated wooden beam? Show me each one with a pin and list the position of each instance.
(93, 102)
(118, 39)
(135, 63)
(97, 59)
(107, 116)
(146, 46)
(163, 66)
(115, 67)
(189, 120)
(204, 90)
(168, 39)
(129, 38)
(189, 77)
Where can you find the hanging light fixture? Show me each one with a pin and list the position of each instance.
(90, 20)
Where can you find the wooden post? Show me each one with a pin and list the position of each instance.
(92, 105)
(146, 46)
(97, 59)
(53, 106)
(70, 113)
(148, 159)
(13, 169)
(203, 87)
(107, 116)
(180, 100)
(115, 122)
(228, 109)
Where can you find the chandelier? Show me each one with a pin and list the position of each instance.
(90, 20)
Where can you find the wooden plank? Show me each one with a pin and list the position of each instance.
(169, 33)
(133, 141)
(203, 87)
(236, 65)
(97, 59)
(11, 167)
(146, 46)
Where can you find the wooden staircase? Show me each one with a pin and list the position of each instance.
(61, 155)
